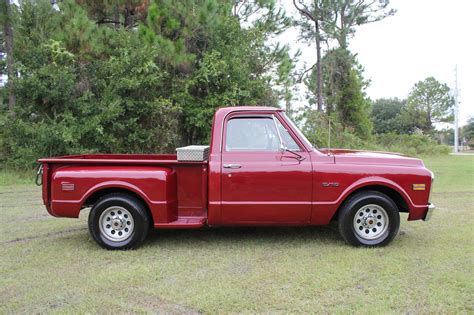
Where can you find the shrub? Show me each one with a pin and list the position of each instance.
(414, 145)
(317, 131)
(108, 105)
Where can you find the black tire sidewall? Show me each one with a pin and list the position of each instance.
(136, 209)
(351, 208)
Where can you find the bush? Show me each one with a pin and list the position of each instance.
(88, 86)
(108, 105)
(414, 145)
(317, 131)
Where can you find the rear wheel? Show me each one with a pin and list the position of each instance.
(119, 221)
(369, 218)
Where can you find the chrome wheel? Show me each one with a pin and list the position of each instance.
(116, 224)
(371, 221)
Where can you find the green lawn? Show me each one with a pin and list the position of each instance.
(52, 265)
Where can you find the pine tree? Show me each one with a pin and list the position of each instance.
(7, 19)
(313, 17)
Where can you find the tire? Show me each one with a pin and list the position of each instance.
(119, 221)
(369, 219)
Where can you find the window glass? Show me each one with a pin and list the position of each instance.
(288, 140)
(300, 134)
(251, 134)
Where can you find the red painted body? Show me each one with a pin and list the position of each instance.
(270, 188)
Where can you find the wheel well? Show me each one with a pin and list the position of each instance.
(390, 192)
(92, 199)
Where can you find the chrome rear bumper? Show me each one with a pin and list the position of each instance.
(429, 212)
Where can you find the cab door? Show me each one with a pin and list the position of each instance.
(261, 184)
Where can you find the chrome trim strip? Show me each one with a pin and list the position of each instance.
(282, 146)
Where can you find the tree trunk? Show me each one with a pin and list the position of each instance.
(128, 18)
(319, 82)
(289, 112)
(8, 31)
(343, 34)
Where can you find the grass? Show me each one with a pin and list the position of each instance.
(52, 265)
(18, 177)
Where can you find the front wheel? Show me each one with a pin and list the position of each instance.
(369, 219)
(119, 221)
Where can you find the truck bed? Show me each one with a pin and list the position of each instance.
(190, 181)
(135, 159)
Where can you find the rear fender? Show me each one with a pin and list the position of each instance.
(73, 186)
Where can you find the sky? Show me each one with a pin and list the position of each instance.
(424, 38)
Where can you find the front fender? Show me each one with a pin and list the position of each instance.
(324, 211)
(375, 181)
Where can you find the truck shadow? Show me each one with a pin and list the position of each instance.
(251, 235)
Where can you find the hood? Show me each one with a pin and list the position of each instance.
(372, 157)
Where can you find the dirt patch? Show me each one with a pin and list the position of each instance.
(157, 305)
(23, 205)
(19, 192)
(36, 217)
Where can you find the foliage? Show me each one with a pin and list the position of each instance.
(328, 21)
(111, 105)
(287, 81)
(347, 14)
(89, 84)
(467, 131)
(146, 76)
(116, 13)
(344, 91)
(429, 102)
(264, 15)
(387, 115)
(412, 145)
(466, 134)
(212, 59)
(336, 79)
(310, 23)
(316, 128)
(312, 13)
(7, 11)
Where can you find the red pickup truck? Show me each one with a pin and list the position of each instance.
(260, 171)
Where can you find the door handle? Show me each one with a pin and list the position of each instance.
(232, 166)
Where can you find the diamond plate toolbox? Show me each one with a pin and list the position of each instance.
(193, 153)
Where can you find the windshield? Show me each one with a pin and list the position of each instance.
(297, 130)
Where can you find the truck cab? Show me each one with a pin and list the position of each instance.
(261, 170)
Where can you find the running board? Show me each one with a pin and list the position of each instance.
(183, 223)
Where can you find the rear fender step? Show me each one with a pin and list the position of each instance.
(183, 223)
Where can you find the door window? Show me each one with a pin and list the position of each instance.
(251, 134)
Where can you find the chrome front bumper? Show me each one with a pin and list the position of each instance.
(429, 212)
